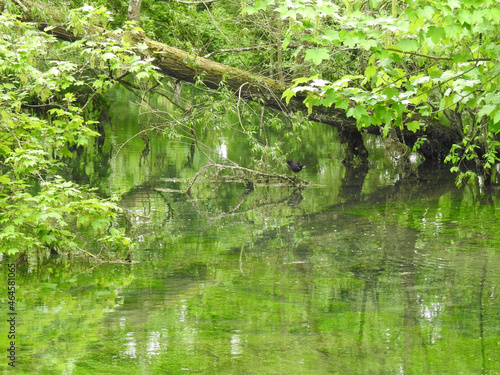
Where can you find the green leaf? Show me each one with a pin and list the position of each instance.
(495, 128)
(357, 112)
(48, 238)
(383, 114)
(331, 35)
(317, 55)
(99, 224)
(287, 95)
(464, 17)
(486, 110)
(413, 126)
(408, 45)
(367, 43)
(370, 71)
(9, 229)
(426, 12)
(437, 34)
(83, 220)
(113, 231)
(453, 4)
(142, 75)
(493, 14)
(454, 31)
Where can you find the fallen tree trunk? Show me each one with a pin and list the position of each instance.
(181, 65)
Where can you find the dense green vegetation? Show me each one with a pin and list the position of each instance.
(367, 271)
(407, 68)
(48, 97)
(413, 62)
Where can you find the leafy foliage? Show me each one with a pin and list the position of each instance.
(413, 61)
(45, 88)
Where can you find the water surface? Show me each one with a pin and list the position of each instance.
(366, 273)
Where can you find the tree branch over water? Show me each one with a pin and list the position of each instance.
(187, 67)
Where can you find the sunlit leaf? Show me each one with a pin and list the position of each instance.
(413, 126)
(317, 55)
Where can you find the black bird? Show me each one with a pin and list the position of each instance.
(295, 166)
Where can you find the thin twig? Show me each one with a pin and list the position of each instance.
(86, 252)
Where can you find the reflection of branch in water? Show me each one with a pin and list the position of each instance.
(241, 258)
(233, 212)
(99, 258)
(257, 176)
(213, 218)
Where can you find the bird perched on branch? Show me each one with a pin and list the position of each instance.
(295, 166)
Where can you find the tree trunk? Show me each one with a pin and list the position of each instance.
(134, 11)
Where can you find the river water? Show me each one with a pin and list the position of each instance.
(366, 272)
